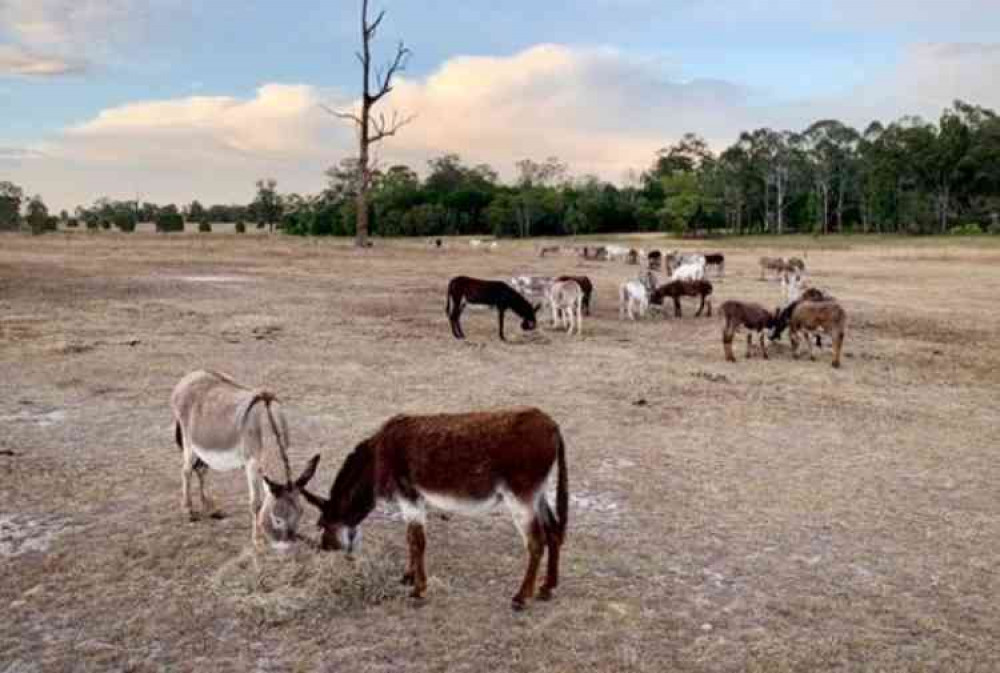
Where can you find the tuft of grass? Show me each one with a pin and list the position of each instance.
(278, 588)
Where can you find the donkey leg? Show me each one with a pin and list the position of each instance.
(809, 347)
(552, 543)
(793, 337)
(208, 505)
(749, 344)
(187, 467)
(416, 543)
(727, 342)
(528, 524)
(763, 346)
(838, 344)
(253, 486)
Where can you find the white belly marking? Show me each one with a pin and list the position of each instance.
(223, 461)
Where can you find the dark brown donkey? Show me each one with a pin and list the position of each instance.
(754, 317)
(459, 463)
(463, 290)
(683, 288)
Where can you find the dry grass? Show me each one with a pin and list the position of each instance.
(762, 516)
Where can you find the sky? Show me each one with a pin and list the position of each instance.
(174, 100)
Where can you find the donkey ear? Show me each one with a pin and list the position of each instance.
(275, 489)
(307, 473)
(314, 500)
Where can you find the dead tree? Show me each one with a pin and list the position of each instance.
(372, 129)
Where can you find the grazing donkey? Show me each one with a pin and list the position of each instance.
(754, 317)
(463, 290)
(566, 297)
(586, 286)
(785, 315)
(459, 463)
(635, 294)
(811, 317)
(676, 289)
(220, 424)
(717, 260)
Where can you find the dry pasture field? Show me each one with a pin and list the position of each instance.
(759, 516)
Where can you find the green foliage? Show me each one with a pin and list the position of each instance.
(72, 223)
(169, 219)
(204, 227)
(968, 229)
(125, 220)
(11, 197)
(241, 228)
(37, 216)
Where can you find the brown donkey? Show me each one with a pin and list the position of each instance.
(811, 317)
(754, 317)
(464, 290)
(460, 463)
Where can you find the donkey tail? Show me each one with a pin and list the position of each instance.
(179, 435)
(562, 489)
(280, 430)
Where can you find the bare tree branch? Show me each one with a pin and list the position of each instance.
(382, 129)
(384, 81)
(342, 115)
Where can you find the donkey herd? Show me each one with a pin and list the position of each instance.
(464, 462)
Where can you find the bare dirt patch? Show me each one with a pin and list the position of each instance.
(759, 516)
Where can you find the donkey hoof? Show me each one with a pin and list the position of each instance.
(407, 579)
(417, 594)
(836, 365)
(517, 604)
(545, 594)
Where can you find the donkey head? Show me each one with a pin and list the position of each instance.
(352, 498)
(280, 512)
(530, 322)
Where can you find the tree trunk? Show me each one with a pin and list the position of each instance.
(781, 205)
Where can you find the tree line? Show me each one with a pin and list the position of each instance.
(910, 176)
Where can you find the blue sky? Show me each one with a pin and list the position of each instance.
(90, 90)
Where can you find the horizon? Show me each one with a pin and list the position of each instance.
(178, 102)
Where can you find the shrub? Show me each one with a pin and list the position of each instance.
(167, 222)
(72, 223)
(93, 224)
(125, 222)
(241, 228)
(968, 229)
(205, 227)
(105, 224)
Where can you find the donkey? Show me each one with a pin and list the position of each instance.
(460, 463)
(586, 286)
(566, 298)
(717, 260)
(784, 315)
(463, 290)
(676, 289)
(813, 316)
(754, 317)
(220, 424)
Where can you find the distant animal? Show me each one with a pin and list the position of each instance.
(548, 250)
(618, 253)
(654, 259)
(676, 289)
(717, 261)
(771, 264)
(633, 297)
(785, 314)
(754, 317)
(632, 257)
(220, 424)
(795, 263)
(566, 299)
(809, 317)
(464, 290)
(586, 286)
(534, 288)
(692, 270)
(460, 463)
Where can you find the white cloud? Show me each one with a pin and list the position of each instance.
(56, 37)
(597, 109)
(16, 60)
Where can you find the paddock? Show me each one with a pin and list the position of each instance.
(773, 515)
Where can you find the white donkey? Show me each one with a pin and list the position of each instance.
(634, 294)
(693, 270)
(566, 297)
(220, 424)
